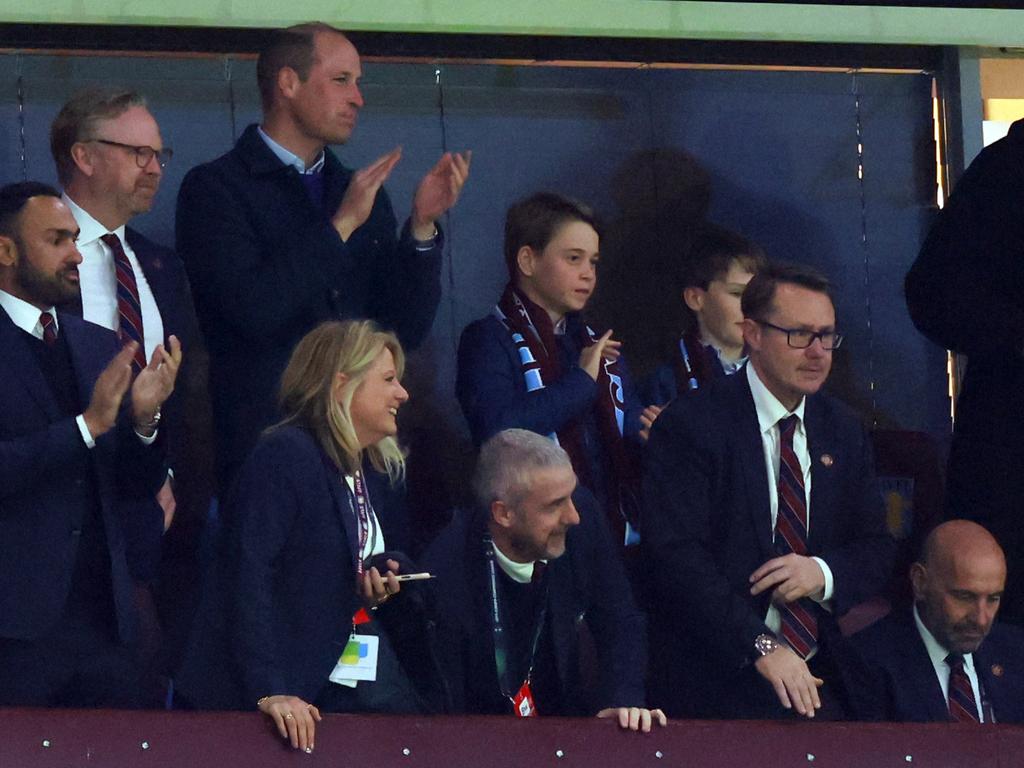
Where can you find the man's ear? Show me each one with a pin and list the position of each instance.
(694, 298)
(8, 252)
(288, 81)
(526, 260)
(81, 155)
(502, 514)
(918, 580)
(751, 334)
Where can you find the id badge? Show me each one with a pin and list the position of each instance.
(358, 661)
(523, 702)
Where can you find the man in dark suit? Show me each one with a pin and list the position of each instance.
(964, 292)
(277, 235)
(515, 580)
(762, 522)
(71, 456)
(110, 159)
(945, 658)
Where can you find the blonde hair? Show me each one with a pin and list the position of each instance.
(308, 391)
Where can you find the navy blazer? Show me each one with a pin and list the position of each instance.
(707, 526)
(267, 266)
(278, 609)
(41, 508)
(893, 677)
(588, 583)
(492, 391)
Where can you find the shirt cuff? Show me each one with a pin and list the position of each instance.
(84, 430)
(829, 581)
(147, 440)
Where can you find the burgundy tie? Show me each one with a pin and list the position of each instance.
(799, 625)
(129, 309)
(49, 328)
(962, 706)
(539, 567)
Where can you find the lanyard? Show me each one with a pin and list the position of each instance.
(499, 630)
(365, 519)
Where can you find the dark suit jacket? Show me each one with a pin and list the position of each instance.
(707, 527)
(267, 267)
(167, 279)
(893, 677)
(587, 583)
(278, 609)
(41, 506)
(965, 292)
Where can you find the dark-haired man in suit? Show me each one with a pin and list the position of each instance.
(277, 235)
(945, 659)
(76, 450)
(762, 520)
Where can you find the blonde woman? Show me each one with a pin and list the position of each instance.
(316, 527)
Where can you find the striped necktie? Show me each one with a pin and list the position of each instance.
(49, 328)
(129, 309)
(962, 706)
(799, 622)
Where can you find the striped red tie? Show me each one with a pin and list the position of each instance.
(49, 328)
(962, 706)
(129, 309)
(799, 622)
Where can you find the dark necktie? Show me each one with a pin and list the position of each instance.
(129, 309)
(799, 624)
(962, 706)
(539, 567)
(49, 328)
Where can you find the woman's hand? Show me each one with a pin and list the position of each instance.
(377, 589)
(295, 719)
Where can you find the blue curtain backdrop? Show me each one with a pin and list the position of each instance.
(781, 149)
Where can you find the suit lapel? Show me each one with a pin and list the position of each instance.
(87, 358)
(750, 448)
(920, 673)
(153, 269)
(23, 366)
(824, 457)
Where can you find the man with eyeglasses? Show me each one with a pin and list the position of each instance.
(763, 519)
(110, 158)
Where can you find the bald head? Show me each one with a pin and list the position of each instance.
(958, 584)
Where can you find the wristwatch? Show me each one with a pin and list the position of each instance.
(765, 644)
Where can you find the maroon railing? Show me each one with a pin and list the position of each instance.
(111, 739)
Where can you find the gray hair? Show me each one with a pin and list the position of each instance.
(77, 121)
(508, 461)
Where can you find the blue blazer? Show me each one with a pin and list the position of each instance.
(892, 677)
(588, 583)
(267, 267)
(41, 504)
(278, 608)
(707, 526)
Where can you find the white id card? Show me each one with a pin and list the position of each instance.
(358, 661)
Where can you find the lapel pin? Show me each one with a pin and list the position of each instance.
(827, 460)
(997, 670)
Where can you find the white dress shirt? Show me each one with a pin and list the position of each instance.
(98, 279)
(769, 412)
(26, 317)
(938, 655)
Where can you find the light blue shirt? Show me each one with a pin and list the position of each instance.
(288, 157)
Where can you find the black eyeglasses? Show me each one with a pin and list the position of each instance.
(143, 154)
(800, 338)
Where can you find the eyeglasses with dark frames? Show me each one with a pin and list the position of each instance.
(143, 154)
(801, 338)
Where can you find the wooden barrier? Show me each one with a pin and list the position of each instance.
(114, 739)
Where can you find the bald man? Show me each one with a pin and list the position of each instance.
(945, 659)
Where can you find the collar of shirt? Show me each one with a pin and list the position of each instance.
(288, 157)
(25, 315)
(729, 366)
(769, 410)
(90, 230)
(935, 650)
(559, 327)
(521, 573)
